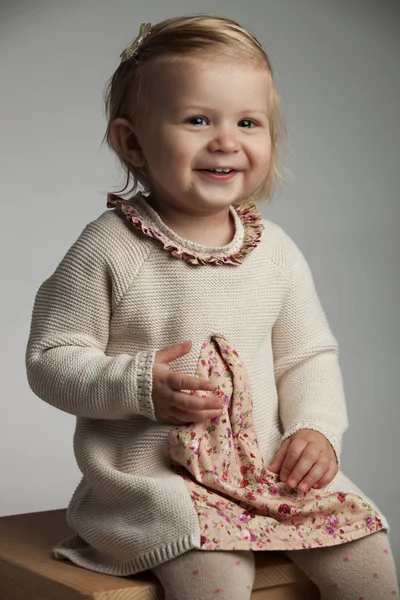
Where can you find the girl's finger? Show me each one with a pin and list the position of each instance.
(328, 476)
(279, 457)
(171, 353)
(307, 460)
(313, 475)
(198, 416)
(293, 455)
(180, 381)
(194, 403)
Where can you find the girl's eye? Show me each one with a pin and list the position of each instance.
(197, 121)
(247, 123)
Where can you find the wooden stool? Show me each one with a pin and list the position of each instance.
(28, 571)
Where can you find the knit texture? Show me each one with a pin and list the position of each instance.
(117, 297)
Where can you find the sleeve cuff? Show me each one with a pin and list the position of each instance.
(144, 388)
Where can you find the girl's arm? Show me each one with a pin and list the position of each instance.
(307, 371)
(66, 361)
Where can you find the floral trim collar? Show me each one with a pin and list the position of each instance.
(247, 222)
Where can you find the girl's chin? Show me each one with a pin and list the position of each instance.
(210, 196)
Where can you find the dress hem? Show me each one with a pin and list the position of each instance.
(351, 536)
(69, 549)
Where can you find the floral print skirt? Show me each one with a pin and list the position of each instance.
(240, 504)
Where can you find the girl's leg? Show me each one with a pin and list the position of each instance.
(204, 575)
(360, 570)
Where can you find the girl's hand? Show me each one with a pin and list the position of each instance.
(171, 403)
(305, 460)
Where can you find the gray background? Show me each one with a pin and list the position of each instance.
(337, 65)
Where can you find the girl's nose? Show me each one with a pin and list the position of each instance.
(224, 141)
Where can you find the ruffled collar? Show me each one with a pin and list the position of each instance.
(248, 230)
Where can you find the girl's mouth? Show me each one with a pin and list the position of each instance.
(218, 174)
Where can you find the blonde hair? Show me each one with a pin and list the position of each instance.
(169, 40)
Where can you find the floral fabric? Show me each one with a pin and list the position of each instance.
(240, 504)
(179, 248)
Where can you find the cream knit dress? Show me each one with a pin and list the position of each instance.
(128, 287)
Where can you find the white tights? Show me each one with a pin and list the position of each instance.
(360, 570)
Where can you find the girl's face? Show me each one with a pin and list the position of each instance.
(202, 117)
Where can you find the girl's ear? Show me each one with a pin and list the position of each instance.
(125, 141)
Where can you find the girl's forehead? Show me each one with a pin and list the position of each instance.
(185, 80)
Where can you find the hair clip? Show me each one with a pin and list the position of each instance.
(133, 48)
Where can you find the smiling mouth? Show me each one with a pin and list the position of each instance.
(220, 175)
(218, 171)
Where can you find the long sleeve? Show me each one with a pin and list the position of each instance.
(307, 372)
(65, 358)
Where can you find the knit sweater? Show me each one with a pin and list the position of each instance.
(120, 294)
